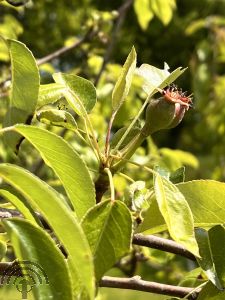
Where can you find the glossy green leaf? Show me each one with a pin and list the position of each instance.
(66, 163)
(209, 260)
(57, 117)
(210, 292)
(79, 92)
(176, 212)
(157, 78)
(108, 228)
(144, 12)
(123, 83)
(61, 219)
(50, 93)
(24, 91)
(20, 203)
(163, 9)
(34, 245)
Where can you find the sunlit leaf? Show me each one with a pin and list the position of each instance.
(163, 9)
(66, 163)
(20, 203)
(50, 93)
(176, 212)
(157, 78)
(79, 92)
(108, 228)
(24, 91)
(123, 83)
(144, 12)
(61, 219)
(34, 245)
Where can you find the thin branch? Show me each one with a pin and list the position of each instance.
(150, 241)
(159, 243)
(122, 11)
(65, 49)
(136, 283)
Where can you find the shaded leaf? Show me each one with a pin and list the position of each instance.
(123, 83)
(117, 136)
(57, 117)
(79, 92)
(108, 228)
(61, 219)
(34, 245)
(210, 292)
(66, 163)
(176, 212)
(24, 91)
(207, 261)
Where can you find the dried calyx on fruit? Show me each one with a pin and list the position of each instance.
(167, 111)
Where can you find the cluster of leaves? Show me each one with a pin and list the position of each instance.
(94, 236)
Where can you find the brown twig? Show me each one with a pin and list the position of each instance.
(156, 242)
(136, 283)
(65, 49)
(122, 11)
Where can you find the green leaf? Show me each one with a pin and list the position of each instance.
(61, 219)
(207, 210)
(206, 199)
(24, 92)
(17, 2)
(57, 117)
(135, 196)
(50, 93)
(209, 260)
(79, 92)
(117, 136)
(20, 203)
(153, 220)
(157, 78)
(176, 212)
(3, 249)
(108, 228)
(178, 175)
(34, 245)
(123, 83)
(174, 159)
(66, 163)
(163, 9)
(144, 12)
(210, 292)
(217, 245)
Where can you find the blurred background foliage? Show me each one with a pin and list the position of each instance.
(182, 33)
